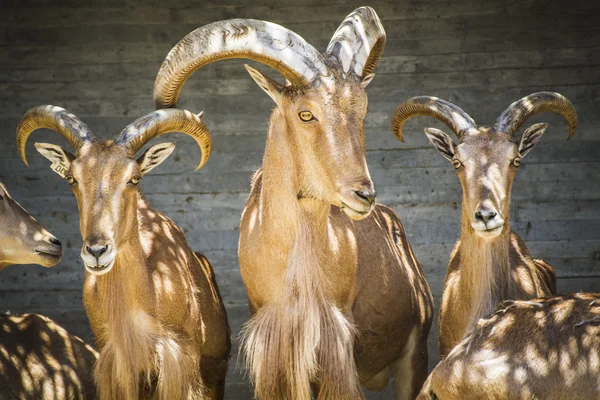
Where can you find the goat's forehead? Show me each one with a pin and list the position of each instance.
(486, 143)
(101, 156)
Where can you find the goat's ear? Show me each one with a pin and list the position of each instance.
(441, 141)
(154, 156)
(530, 137)
(59, 157)
(272, 88)
(366, 80)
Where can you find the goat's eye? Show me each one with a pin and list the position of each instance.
(517, 161)
(135, 180)
(71, 180)
(457, 164)
(306, 116)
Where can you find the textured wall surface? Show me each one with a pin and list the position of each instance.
(99, 61)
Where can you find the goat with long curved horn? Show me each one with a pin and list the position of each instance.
(146, 128)
(490, 263)
(262, 41)
(358, 43)
(453, 116)
(173, 346)
(320, 319)
(55, 118)
(518, 112)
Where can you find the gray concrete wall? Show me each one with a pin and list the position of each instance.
(99, 61)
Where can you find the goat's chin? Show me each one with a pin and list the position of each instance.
(356, 215)
(489, 233)
(99, 269)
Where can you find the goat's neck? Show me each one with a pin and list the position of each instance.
(485, 269)
(296, 226)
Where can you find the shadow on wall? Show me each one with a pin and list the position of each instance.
(41, 360)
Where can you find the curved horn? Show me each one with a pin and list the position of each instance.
(146, 128)
(261, 41)
(518, 112)
(56, 118)
(358, 42)
(453, 116)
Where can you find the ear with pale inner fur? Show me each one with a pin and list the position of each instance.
(59, 157)
(530, 137)
(366, 80)
(154, 156)
(441, 141)
(272, 88)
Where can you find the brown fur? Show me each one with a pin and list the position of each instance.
(539, 349)
(337, 295)
(484, 271)
(157, 314)
(22, 239)
(38, 358)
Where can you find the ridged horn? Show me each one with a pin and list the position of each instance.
(358, 42)
(146, 128)
(56, 118)
(450, 114)
(261, 41)
(518, 112)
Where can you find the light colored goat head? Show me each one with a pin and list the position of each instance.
(486, 159)
(104, 175)
(22, 239)
(320, 109)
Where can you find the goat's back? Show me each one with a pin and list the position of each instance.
(39, 359)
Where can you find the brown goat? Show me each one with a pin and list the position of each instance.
(337, 296)
(38, 358)
(490, 263)
(153, 304)
(540, 349)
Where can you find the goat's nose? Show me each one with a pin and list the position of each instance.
(96, 250)
(485, 215)
(55, 241)
(367, 194)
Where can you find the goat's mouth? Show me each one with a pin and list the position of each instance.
(99, 269)
(49, 257)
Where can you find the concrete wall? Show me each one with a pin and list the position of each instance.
(100, 61)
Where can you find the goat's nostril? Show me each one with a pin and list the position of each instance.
(368, 195)
(55, 241)
(485, 215)
(96, 251)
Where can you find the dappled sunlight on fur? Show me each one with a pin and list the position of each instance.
(543, 349)
(41, 360)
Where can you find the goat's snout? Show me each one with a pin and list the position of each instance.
(485, 215)
(96, 251)
(368, 194)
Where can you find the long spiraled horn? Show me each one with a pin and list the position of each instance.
(261, 41)
(453, 116)
(358, 42)
(518, 112)
(56, 118)
(146, 128)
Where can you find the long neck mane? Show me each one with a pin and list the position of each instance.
(485, 270)
(300, 337)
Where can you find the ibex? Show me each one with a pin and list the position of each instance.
(336, 293)
(539, 349)
(490, 263)
(38, 358)
(153, 304)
